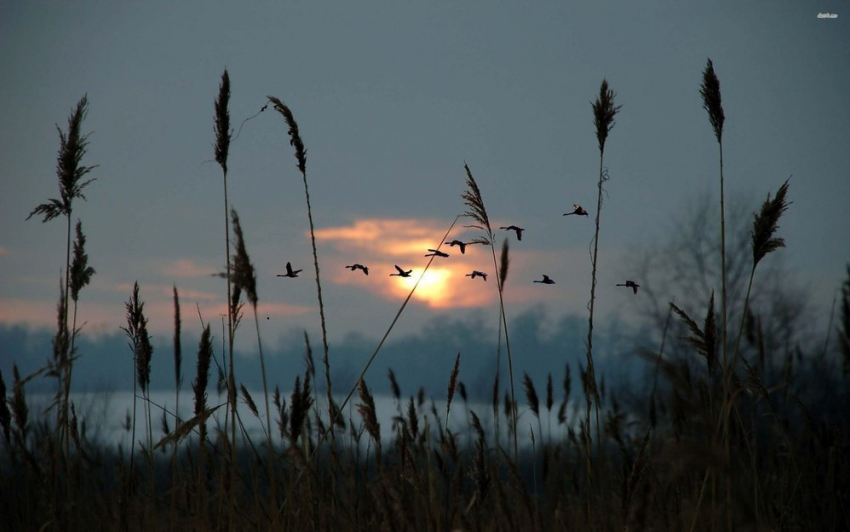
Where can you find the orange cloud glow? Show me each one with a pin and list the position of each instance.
(380, 244)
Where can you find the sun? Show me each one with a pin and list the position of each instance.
(434, 288)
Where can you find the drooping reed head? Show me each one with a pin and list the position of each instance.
(81, 272)
(604, 112)
(244, 275)
(222, 122)
(294, 136)
(473, 201)
(710, 91)
(69, 167)
(766, 223)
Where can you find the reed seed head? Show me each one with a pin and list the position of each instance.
(369, 413)
(604, 112)
(504, 262)
(81, 272)
(710, 91)
(248, 400)
(137, 332)
(69, 168)
(703, 340)
(453, 381)
(394, 387)
(222, 122)
(294, 137)
(531, 395)
(199, 387)
(244, 275)
(473, 201)
(766, 223)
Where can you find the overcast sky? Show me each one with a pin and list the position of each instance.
(391, 99)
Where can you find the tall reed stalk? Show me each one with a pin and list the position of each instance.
(70, 172)
(301, 156)
(475, 203)
(222, 149)
(710, 92)
(604, 112)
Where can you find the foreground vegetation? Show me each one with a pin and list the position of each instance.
(730, 435)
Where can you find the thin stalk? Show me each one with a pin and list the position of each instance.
(272, 487)
(504, 324)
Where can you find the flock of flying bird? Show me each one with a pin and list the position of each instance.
(577, 210)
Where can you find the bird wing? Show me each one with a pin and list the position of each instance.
(399, 269)
(288, 268)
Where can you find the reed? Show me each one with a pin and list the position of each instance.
(301, 156)
(475, 203)
(604, 112)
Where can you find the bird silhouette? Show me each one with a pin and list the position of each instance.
(476, 273)
(577, 209)
(518, 230)
(289, 271)
(436, 253)
(357, 266)
(546, 280)
(401, 273)
(631, 284)
(458, 243)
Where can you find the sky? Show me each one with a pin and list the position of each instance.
(392, 99)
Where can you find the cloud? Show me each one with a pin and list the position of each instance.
(382, 243)
(4, 252)
(187, 269)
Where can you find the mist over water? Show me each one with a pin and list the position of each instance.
(108, 417)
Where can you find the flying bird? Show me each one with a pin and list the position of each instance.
(289, 271)
(577, 209)
(546, 280)
(631, 284)
(518, 230)
(476, 273)
(401, 273)
(462, 245)
(359, 267)
(436, 253)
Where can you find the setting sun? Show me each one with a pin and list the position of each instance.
(434, 288)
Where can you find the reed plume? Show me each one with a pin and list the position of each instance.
(764, 242)
(301, 156)
(704, 340)
(370, 417)
(604, 112)
(245, 280)
(70, 172)
(222, 150)
(476, 210)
